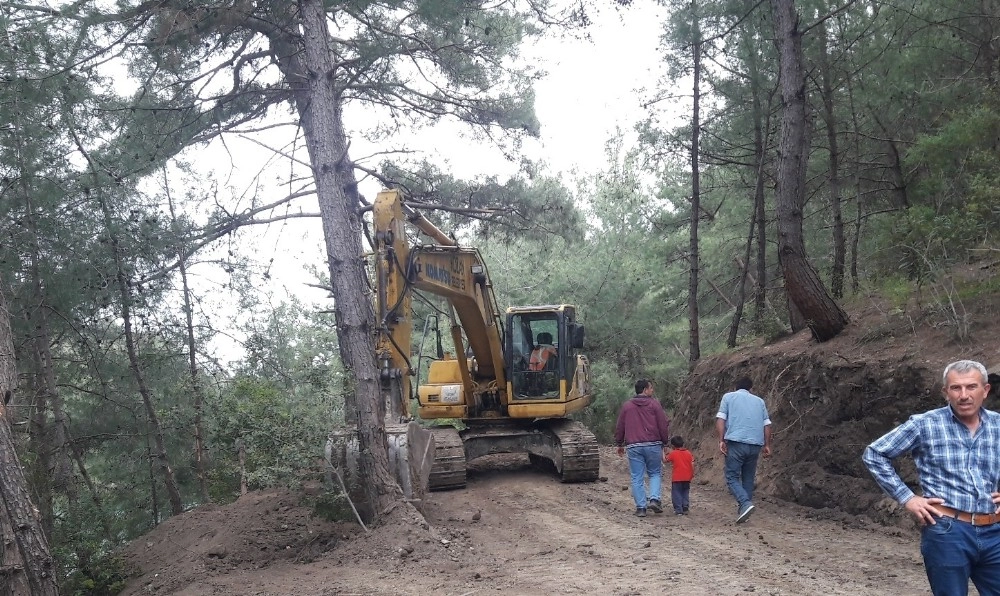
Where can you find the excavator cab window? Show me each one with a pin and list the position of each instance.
(536, 361)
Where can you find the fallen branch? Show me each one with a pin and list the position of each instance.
(343, 487)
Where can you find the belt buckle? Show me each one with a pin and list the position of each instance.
(985, 519)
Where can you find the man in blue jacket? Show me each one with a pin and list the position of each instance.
(643, 430)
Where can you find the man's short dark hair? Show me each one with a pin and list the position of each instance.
(744, 383)
(641, 385)
(677, 441)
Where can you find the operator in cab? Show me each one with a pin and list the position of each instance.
(542, 352)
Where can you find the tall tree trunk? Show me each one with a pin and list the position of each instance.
(22, 515)
(196, 388)
(741, 289)
(13, 581)
(760, 216)
(154, 497)
(94, 495)
(761, 134)
(125, 294)
(198, 391)
(311, 72)
(51, 468)
(895, 165)
(829, 116)
(803, 285)
(53, 458)
(761, 140)
(38, 438)
(856, 237)
(694, 344)
(152, 418)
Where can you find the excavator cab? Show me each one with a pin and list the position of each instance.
(535, 365)
(543, 359)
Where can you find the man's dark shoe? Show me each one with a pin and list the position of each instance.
(745, 512)
(655, 506)
(640, 512)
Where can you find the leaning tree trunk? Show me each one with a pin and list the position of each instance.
(805, 289)
(124, 291)
(163, 461)
(21, 514)
(311, 72)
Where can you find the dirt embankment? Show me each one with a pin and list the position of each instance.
(828, 401)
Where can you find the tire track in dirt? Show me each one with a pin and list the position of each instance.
(518, 530)
(584, 539)
(780, 550)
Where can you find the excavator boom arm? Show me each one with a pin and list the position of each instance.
(455, 273)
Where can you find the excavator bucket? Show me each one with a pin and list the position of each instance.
(411, 455)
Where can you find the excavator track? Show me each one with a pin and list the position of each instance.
(581, 460)
(448, 470)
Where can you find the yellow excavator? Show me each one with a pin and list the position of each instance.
(511, 382)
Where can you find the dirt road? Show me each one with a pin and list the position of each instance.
(517, 530)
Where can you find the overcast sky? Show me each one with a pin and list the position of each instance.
(590, 90)
(592, 87)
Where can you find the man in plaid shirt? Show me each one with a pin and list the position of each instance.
(956, 450)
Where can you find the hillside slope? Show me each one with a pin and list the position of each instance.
(828, 401)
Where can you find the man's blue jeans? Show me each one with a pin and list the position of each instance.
(645, 460)
(955, 551)
(741, 470)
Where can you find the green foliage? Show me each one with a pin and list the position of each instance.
(957, 166)
(87, 559)
(105, 576)
(528, 206)
(281, 405)
(929, 240)
(611, 390)
(281, 434)
(897, 290)
(979, 289)
(333, 505)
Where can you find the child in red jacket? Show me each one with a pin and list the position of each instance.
(682, 463)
